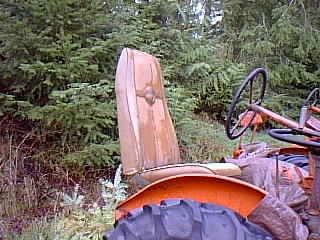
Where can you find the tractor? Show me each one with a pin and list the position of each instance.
(201, 201)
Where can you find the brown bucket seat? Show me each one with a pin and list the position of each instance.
(148, 140)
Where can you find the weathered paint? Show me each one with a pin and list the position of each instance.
(237, 195)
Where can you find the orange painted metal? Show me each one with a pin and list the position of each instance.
(280, 119)
(314, 109)
(306, 182)
(273, 116)
(245, 119)
(237, 195)
(237, 152)
(294, 149)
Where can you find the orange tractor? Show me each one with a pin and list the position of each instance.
(193, 200)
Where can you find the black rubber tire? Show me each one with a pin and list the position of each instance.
(185, 220)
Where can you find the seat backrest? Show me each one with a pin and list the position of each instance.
(147, 136)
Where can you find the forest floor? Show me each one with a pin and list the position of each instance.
(30, 188)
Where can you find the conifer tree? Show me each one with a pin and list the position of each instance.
(281, 36)
(56, 67)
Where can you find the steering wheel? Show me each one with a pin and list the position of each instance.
(287, 135)
(251, 91)
(312, 98)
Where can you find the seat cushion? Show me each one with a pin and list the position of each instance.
(224, 169)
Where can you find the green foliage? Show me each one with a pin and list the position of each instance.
(48, 45)
(84, 114)
(46, 48)
(7, 102)
(66, 42)
(57, 71)
(84, 109)
(281, 36)
(213, 79)
(75, 200)
(71, 64)
(181, 103)
(198, 140)
(92, 223)
(102, 155)
(113, 192)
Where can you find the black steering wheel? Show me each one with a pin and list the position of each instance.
(288, 135)
(251, 91)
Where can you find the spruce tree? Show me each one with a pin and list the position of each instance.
(46, 48)
(281, 36)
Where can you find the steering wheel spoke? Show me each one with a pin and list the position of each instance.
(251, 91)
(258, 101)
(238, 123)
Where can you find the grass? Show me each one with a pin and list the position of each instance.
(30, 186)
(78, 219)
(207, 142)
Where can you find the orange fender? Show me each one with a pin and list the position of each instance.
(229, 192)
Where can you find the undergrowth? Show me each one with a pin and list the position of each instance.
(80, 220)
(201, 139)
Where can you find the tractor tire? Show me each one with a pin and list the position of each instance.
(182, 219)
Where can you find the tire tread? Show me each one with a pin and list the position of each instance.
(185, 219)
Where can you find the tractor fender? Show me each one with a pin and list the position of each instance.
(232, 193)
